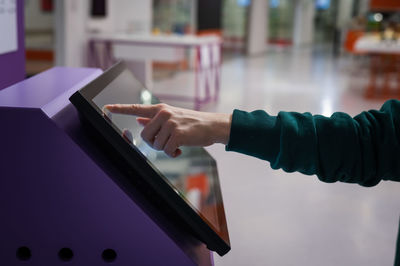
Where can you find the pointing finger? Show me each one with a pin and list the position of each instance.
(133, 109)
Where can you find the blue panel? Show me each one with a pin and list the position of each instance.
(323, 4)
(243, 3)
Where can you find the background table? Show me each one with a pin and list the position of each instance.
(384, 74)
(141, 50)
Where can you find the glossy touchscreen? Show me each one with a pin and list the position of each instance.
(193, 175)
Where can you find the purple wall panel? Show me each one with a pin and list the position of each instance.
(12, 65)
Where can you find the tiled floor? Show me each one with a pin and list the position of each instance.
(276, 218)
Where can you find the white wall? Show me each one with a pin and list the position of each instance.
(132, 15)
(344, 13)
(73, 25)
(124, 16)
(35, 19)
(101, 24)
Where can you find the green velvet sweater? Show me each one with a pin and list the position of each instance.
(364, 149)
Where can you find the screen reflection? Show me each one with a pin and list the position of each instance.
(193, 175)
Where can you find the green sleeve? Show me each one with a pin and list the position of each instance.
(364, 149)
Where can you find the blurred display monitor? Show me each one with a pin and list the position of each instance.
(98, 8)
(209, 14)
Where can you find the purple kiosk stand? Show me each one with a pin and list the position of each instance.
(60, 200)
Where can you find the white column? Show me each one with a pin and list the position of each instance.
(134, 16)
(70, 29)
(364, 7)
(73, 25)
(345, 9)
(257, 27)
(303, 33)
(59, 28)
(193, 15)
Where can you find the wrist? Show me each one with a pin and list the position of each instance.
(222, 128)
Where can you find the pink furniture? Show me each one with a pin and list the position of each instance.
(106, 49)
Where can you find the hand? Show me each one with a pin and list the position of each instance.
(167, 128)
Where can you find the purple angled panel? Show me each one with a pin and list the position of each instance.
(48, 90)
(52, 196)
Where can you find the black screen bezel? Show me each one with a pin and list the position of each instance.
(83, 100)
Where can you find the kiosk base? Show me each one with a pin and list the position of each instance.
(59, 202)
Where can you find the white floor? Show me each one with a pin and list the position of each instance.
(276, 218)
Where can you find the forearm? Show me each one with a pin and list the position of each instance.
(363, 149)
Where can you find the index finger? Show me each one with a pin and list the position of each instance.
(142, 110)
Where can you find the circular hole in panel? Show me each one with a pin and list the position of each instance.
(65, 254)
(109, 255)
(24, 253)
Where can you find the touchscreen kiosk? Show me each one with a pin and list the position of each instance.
(188, 184)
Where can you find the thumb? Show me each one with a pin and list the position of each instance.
(143, 121)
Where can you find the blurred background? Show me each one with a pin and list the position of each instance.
(357, 36)
(318, 56)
